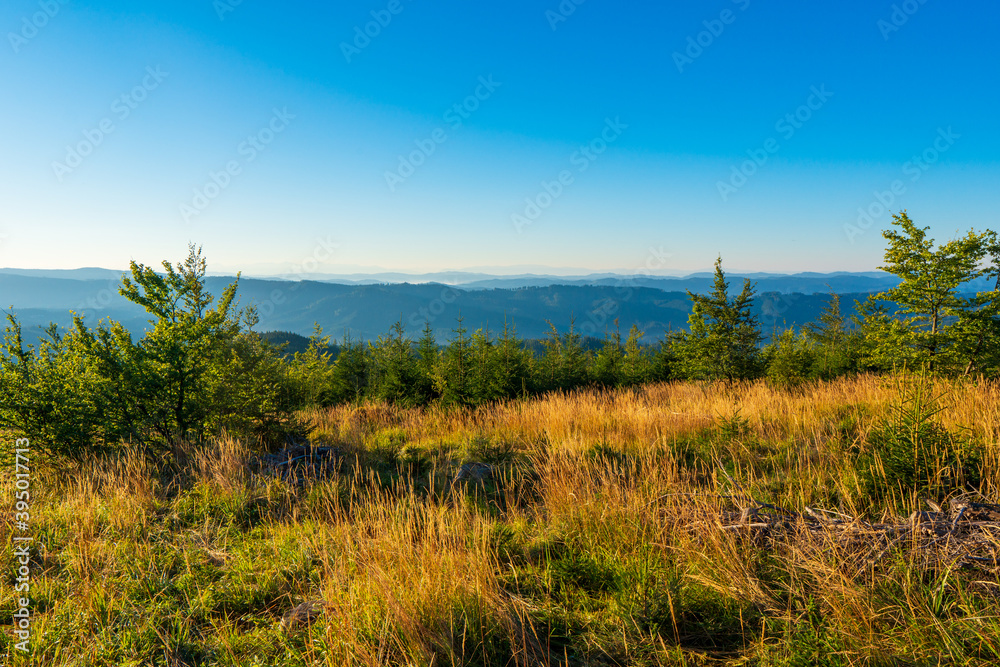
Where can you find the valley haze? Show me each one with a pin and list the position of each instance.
(365, 306)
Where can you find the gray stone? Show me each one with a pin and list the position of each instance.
(478, 472)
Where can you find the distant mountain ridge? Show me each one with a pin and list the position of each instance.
(366, 311)
(805, 282)
(85, 273)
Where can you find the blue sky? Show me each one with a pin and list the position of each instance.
(601, 136)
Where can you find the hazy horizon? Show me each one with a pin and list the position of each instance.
(488, 271)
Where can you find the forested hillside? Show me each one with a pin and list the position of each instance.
(368, 311)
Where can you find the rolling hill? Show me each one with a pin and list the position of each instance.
(654, 304)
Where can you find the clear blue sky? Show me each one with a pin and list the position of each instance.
(677, 117)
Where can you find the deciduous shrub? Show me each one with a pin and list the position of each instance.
(197, 370)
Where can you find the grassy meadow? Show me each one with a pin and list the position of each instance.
(614, 530)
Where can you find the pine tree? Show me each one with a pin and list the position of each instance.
(663, 366)
(350, 371)
(724, 335)
(549, 367)
(564, 363)
(451, 378)
(574, 360)
(484, 380)
(836, 344)
(311, 372)
(637, 367)
(393, 369)
(608, 367)
(512, 363)
(428, 356)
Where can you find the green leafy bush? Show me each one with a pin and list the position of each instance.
(198, 370)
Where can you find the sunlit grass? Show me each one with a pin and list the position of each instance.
(599, 541)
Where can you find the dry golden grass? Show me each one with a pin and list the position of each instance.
(602, 540)
(639, 418)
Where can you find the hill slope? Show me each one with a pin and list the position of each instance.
(367, 311)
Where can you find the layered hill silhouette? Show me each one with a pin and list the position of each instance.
(367, 309)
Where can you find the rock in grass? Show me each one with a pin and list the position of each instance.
(478, 472)
(302, 615)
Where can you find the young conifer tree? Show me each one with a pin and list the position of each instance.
(608, 367)
(637, 365)
(428, 356)
(512, 363)
(452, 376)
(836, 344)
(724, 334)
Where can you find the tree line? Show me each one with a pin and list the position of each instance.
(200, 368)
